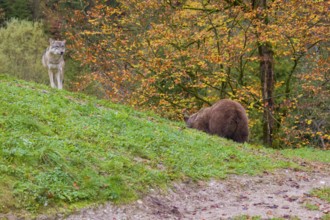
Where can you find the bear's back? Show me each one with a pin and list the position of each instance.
(228, 119)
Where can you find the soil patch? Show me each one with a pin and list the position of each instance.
(282, 194)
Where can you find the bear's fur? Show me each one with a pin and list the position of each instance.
(226, 118)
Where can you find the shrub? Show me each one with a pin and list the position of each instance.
(21, 47)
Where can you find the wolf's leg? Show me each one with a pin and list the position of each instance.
(62, 76)
(61, 70)
(59, 79)
(51, 78)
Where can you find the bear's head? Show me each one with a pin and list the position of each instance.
(190, 120)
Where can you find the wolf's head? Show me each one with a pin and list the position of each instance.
(57, 47)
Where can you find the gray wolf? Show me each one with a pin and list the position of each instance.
(226, 118)
(54, 61)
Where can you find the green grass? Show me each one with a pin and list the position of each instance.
(66, 150)
(311, 206)
(309, 154)
(322, 193)
(246, 217)
(326, 217)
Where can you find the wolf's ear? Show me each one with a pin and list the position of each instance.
(64, 41)
(51, 40)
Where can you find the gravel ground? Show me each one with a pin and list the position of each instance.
(282, 194)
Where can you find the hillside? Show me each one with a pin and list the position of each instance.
(60, 151)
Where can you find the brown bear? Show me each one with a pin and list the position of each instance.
(226, 118)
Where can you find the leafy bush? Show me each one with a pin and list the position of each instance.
(17, 9)
(21, 47)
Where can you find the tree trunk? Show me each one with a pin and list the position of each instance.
(35, 7)
(266, 76)
(267, 85)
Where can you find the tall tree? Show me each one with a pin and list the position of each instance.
(266, 73)
(172, 56)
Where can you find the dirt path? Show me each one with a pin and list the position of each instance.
(281, 194)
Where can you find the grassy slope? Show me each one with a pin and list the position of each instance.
(59, 149)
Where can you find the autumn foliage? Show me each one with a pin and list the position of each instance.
(175, 56)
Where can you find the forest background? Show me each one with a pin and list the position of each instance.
(175, 57)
